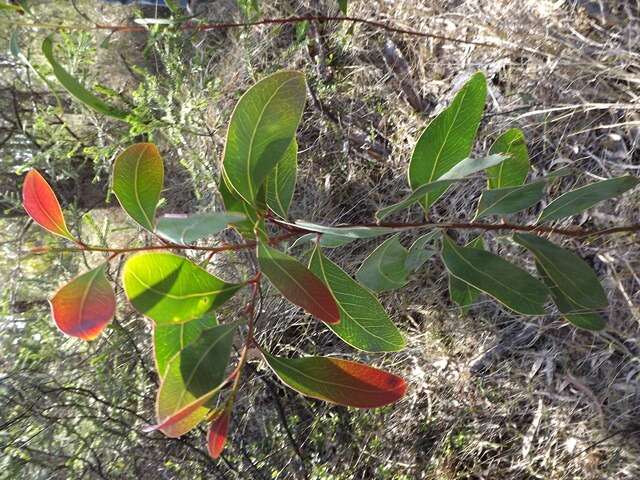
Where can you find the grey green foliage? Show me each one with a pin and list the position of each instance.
(461, 293)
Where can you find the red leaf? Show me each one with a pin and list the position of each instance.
(217, 435)
(42, 205)
(84, 306)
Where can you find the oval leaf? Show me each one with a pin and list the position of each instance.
(297, 284)
(503, 201)
(338, 381)
(385, 267)
(262, 127)
(511, 172)
(364, 324)
(281, 182)
(580, 199)
(491, 274)
(138, 176)
(42, 205)
(449, 138)
(186, 229)
(170, 289)
(217, 434)
(85, 306)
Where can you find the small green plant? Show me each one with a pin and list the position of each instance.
(193, 348)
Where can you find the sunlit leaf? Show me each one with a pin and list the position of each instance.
(385, 267)
(41, 203)
(192, 373)
(503, 201)
(217, 433)
(170, 339)
(171, 289)
(75, 88)
(338, 381)
(418, 194)
(262, 127)
(281, 182)
(493, 275)
(138, 176)
(298, 284)
(186, 229)
(511, 172)
(418, 254)
(84, 307)
(449, 138)
(471, 165)
(575, 201)
(461, 293)
(364, 324)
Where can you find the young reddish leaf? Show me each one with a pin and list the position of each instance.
(42, 205)
(338, 381)
(171, 425)
(217, 434)
(298, 284)
(84, 306)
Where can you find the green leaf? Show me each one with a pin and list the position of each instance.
(338, 381)
(262, 127)
(170, 289)
(170, 339)
(417, 195)
(449, 138)
(298, 284)
(418, 255)
(195, 371)
(138, 176)
(573, 277)
(75, 88)
(348, 232)
(513, 171)
(343, 4)
(580, 199)
(493, 275)
(384, 269)
(13, 8)
(472, 165)
(364, 324)
(186, 229)
(281, 182)
(233, 203)
(327, 240)
(503, 201)
(461, 293)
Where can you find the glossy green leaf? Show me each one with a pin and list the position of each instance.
(503, 201)
(384, 268)
(170, 339)
(196, 370)
(418, 254)
(171, 289)
(364, 324)
(471, 165)
(233, 203)
(449, 138)
(138, 177)
(281, 182)
(75, 88)
(298, 284)
(417, 195)
(575, 201)
(461, 293)
(187, 229)
(338, 381)
(511, 172)
(493, 275)
(262, 127)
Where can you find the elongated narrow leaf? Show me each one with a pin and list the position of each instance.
(138, 176)
(348, 232)
(575, 201)
(573, 277)
(281, 182)
(418, 254)
(503, 201)
(513, 171)
(385, 267)
(471, 165)
(461, 293)
(11, 7)
(364, 324)
(42, 205)
(75, 88)
(170, 339)
(571, 312)
(449, 138)
(327, 240)
(298, 284)
(198, 369)
(235, 204)
(170, 289)
(262, 127)
(491, 274)
(338, 381)
(186, 229)
(417, 195)
(85, 306)
(217, 434)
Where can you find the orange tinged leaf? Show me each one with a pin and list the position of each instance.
(42, 205)
(217, 434)
(83, 307)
